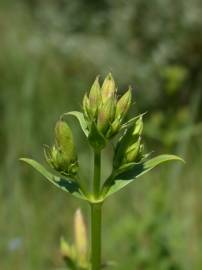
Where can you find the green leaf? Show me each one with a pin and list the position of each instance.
(80, 117)
(66, 184)
(118, 180)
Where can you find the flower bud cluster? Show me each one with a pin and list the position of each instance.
(62, 155)
(76, 254)
(129, 148)
(102, 107)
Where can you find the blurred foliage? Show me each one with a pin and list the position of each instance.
(50, 52)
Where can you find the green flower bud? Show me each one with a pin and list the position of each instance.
(141, 154)
(114, 128)
(132, 152)
(108, 88)
(94, 97)
(106, 115)
(86, 105)
(123, 104)
(64, 140)
(103, 113)
(138, 127)
(128, 147)
(62, 156)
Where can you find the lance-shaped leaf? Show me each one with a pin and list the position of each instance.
(80, 117)
(121, 178)
(66, 184)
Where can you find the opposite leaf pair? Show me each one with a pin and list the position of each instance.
(102, 118)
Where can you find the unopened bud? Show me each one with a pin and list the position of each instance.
(62, 156)
(94, 97)
(86, 105)
(114, 128)
(64, 140)
(141, 154)
(80, 236)
(108, 88)
(132, 152)
(138, 127)
(128, 147)
(123, 104)
(106, 115)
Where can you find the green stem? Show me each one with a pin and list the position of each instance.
(96, 222)
(96, 209)
(97, 168)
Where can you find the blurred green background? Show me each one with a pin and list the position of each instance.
(50, 52)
